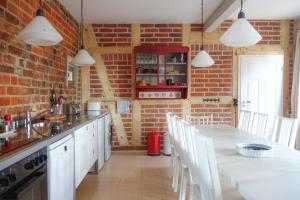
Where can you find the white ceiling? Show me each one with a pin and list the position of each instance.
(141, 11)
(174, 11)
(271, 9)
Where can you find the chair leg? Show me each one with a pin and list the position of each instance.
(191, 194)
(175, 175)
(171, 164)
(182, 194)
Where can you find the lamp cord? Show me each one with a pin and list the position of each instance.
(81, 25)
(202, 24)
(242, 5)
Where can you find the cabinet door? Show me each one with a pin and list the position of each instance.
(100, 142)
(82, 153)
(94, 142)
(61, 169)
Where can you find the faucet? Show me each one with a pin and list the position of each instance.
(27, 123)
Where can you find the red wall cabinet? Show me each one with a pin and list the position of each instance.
(161, 72)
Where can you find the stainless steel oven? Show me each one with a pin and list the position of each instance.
(26, 179)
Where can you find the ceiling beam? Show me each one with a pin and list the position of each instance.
(221, 14)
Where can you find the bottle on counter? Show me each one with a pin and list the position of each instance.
(2, 124)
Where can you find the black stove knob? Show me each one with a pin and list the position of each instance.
(36, 161)
(29, 165)
(4, 182)
(11, 177)
(42, 158)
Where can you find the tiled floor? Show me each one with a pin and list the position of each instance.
(130, 176)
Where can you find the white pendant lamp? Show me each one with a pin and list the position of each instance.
(202, 59)
(241, 33)
(82, 58)
(39, 32)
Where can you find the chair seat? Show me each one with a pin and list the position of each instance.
(229, 192)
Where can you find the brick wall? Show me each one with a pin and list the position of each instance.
(153, 118)
(112, 35)
(28, 74)
(215, 80)
(161, 34)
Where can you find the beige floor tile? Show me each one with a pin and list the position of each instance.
(132, 176)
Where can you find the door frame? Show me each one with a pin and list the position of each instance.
(258, 50)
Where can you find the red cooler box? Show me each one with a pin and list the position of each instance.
(154, 144)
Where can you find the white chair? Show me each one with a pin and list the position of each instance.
(285, 131)
(175, 162)
(244, 120)
(196, 120)
(206, 180)
(169, 115)
(259, 124)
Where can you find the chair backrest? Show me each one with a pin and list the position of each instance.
(196, 120)
(259, 124)
(285, 131)
(208, 175)
(244, 120)
(169, 116)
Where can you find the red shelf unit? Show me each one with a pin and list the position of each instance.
(161, 72)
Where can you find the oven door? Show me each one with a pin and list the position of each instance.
(32, 188)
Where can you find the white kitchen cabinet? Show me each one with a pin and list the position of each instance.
(86, 153)
(61, 169)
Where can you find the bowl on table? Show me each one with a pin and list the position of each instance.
(255, 150)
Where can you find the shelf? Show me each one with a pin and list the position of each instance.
(176, 74)
(161, 87)
(146, 74)
(176, 63)
(146, 63)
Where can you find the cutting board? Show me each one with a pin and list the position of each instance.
(56, 117)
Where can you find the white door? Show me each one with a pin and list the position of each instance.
(260, 83)
(61, 169)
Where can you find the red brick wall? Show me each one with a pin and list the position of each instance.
(112, 35)
(28, 74)
(215, 80)
(222, 113)
(161, 34)
(153, 118)
(118, 68)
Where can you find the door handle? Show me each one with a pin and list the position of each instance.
(246, 101)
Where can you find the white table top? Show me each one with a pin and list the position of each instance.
(276, 178)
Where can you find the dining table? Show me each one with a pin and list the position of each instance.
(269, 178)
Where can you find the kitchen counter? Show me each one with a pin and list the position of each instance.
(22, 145)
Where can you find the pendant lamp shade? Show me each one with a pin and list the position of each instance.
(202, 59)
(39, 32)
(240, 34)
(83, 58)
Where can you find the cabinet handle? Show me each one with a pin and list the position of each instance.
(87, 128)
(66, 148)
